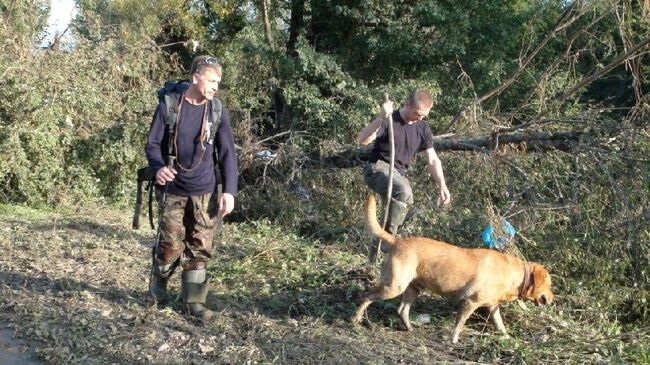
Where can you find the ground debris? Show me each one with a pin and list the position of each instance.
(77, 294)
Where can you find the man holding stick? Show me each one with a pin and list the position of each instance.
(412, 134)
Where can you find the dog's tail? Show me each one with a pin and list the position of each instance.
(373, 225)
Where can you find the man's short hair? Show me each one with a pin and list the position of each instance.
(201, 63)
(421, 98)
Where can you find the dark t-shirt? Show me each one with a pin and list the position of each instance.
(409, 140)
(200, 179)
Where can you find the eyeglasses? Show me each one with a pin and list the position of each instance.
(209, 61)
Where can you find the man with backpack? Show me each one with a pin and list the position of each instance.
(191, 149)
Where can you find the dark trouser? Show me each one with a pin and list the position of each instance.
(376, 177)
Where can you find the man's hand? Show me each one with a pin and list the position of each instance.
(369, 133)
(226, 204)
(164, 175)
(444, 198)
(386, 109)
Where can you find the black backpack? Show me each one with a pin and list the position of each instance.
(170, 94)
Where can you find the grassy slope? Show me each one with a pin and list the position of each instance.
(73, 287)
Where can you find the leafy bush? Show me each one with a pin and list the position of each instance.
(74, 123)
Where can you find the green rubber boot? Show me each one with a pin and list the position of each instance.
(194, 291)
(398, 210)
(396, 216)
(158, 282)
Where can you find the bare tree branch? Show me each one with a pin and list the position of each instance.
(267, 24)
(568, 54)
(561, 24)
(523, 141)
(596, 75)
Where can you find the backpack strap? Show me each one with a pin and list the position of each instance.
(215, 121)
(215, 118)
(171, 115)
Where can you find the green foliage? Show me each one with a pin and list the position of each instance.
(22, 24)
(248, 79)
(328, 103)
(74, 123)
(324, 100)
(134, 21)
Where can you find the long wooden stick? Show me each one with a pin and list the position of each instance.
(391, 170)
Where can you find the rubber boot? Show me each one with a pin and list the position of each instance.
(158, 282)
(194, 291)
(398, 210)
(396, 216)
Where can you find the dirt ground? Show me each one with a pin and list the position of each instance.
(14, 351)
(73, 291)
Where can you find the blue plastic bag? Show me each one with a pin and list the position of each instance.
(490, 239)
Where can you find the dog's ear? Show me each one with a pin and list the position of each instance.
(540, 290)
(531, 282)
(537, 275)
(534, 279)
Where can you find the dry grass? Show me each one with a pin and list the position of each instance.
(73, 287)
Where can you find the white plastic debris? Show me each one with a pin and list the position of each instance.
(424, 318)
(163, 347)
(266, 155)
(205, 349)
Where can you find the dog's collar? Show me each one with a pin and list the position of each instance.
(525, 284)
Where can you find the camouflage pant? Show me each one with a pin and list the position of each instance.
(188, 227)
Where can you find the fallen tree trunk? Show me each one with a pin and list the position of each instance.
(527, 141)
(523, 141)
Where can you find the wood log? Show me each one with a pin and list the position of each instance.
(523, 141)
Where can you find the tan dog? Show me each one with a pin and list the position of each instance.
(471, 277)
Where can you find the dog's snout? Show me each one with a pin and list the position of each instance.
(543, 299)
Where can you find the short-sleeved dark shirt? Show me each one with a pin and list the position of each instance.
(409, 140)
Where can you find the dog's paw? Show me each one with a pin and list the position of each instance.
(354, 320)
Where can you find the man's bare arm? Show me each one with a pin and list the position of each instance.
(434, 165)
(369, 133)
